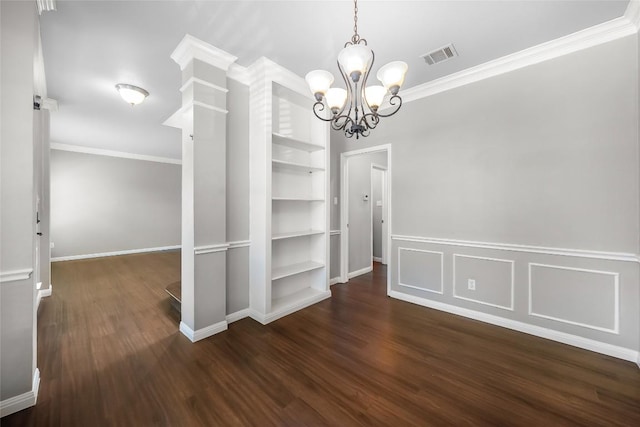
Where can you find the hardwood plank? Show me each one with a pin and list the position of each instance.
(110, 354)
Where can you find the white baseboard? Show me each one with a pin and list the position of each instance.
(115, 253)
(43, 293)
(22, 401)
(203, 333)
(563, 337)
(377, 259)
(360, 272)
(299, 305)
(238, 315)
(335, 280)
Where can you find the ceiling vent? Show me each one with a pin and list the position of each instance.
(440, 55)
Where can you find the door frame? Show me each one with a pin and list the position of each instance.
(385, 213)
(344, 208)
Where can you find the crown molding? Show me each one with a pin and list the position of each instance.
(191, 48)
(633, 13)
(239, 73)
(589, 37)
(265, 68)
(111, 153)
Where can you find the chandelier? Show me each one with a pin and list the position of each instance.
(355, 110)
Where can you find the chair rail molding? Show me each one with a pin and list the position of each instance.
(580, 253)
(15, 275)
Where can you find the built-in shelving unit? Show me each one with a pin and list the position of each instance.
(289, 189)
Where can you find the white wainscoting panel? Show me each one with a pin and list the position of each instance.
(577, 296)
(494, 279)
(421, 269)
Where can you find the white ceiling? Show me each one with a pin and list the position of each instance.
(89, 46)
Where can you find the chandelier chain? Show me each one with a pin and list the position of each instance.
(356, 36)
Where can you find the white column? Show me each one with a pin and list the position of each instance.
(202, 119)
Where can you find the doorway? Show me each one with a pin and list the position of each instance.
(361, 205)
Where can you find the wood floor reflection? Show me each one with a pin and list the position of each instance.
(110, 354)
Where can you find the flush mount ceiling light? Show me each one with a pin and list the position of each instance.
(133, 95)
(355, 110)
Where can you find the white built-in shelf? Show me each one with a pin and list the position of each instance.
(290, 270)
(296, 167)
(280, 236)
(298, 144)
(297, 199)
(302, 297)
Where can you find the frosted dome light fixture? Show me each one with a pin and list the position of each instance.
(355, 110)
(133, 95)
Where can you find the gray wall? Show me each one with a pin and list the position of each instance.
(237, 195)
(17, 197)
(360, 227)
(105, 204)
(542, 156)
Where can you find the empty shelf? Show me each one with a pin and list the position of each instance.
(297, 167)
(290, 270)
(279, 236)
(297, 199)
(298, 144)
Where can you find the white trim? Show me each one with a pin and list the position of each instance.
(49, 104)
(616, 309)
(193, 80)
(589, 37)
(239, 244)
(191, 48)
(633, 13)
(289, 309)
(335, 232)
(238, 315)
(610, 256)
(209, 249)
(334, 280)
(115, 253)
(203, 333)
(111, 153)
(574, 340)
(510, 308)
(209, 106)
(22, 401)
(441, 292)
(360, 272)
(42, 293)
(39, 75)
(15, 275)
(376, 259)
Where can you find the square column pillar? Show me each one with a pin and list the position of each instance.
(202, 119)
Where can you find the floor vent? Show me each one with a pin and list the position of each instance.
(440, 55)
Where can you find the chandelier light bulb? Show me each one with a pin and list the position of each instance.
(355, 60)
(336, 98)
(133, 95)
(392, 75)
(319, 82)
(375, 95)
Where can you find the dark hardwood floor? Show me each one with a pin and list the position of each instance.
(110, 354)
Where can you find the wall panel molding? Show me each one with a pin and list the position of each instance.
(615, 308)
(511, 288)
(441, 291)
(579, 253)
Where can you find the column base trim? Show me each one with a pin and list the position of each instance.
(22, 401)
(203, 333)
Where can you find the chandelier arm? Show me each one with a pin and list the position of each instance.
(397, 99)
(321, 109)
(370, 121)
(364, 85)
(337, 124)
